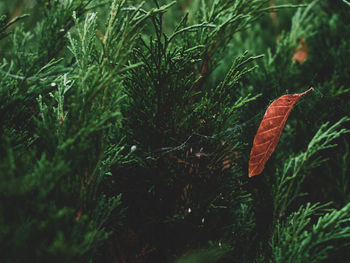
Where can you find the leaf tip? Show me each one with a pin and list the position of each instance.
(252, 172)
(307, 91)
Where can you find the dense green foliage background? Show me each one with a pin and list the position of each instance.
(126, 129)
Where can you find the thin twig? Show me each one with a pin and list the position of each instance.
(204, 70)
(346, 2)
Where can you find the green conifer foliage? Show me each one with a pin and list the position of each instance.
(126, 128)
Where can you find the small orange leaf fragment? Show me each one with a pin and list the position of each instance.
(273, 14)
(302, 51)
(270, 130)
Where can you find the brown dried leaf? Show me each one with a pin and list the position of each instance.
(270, 130)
